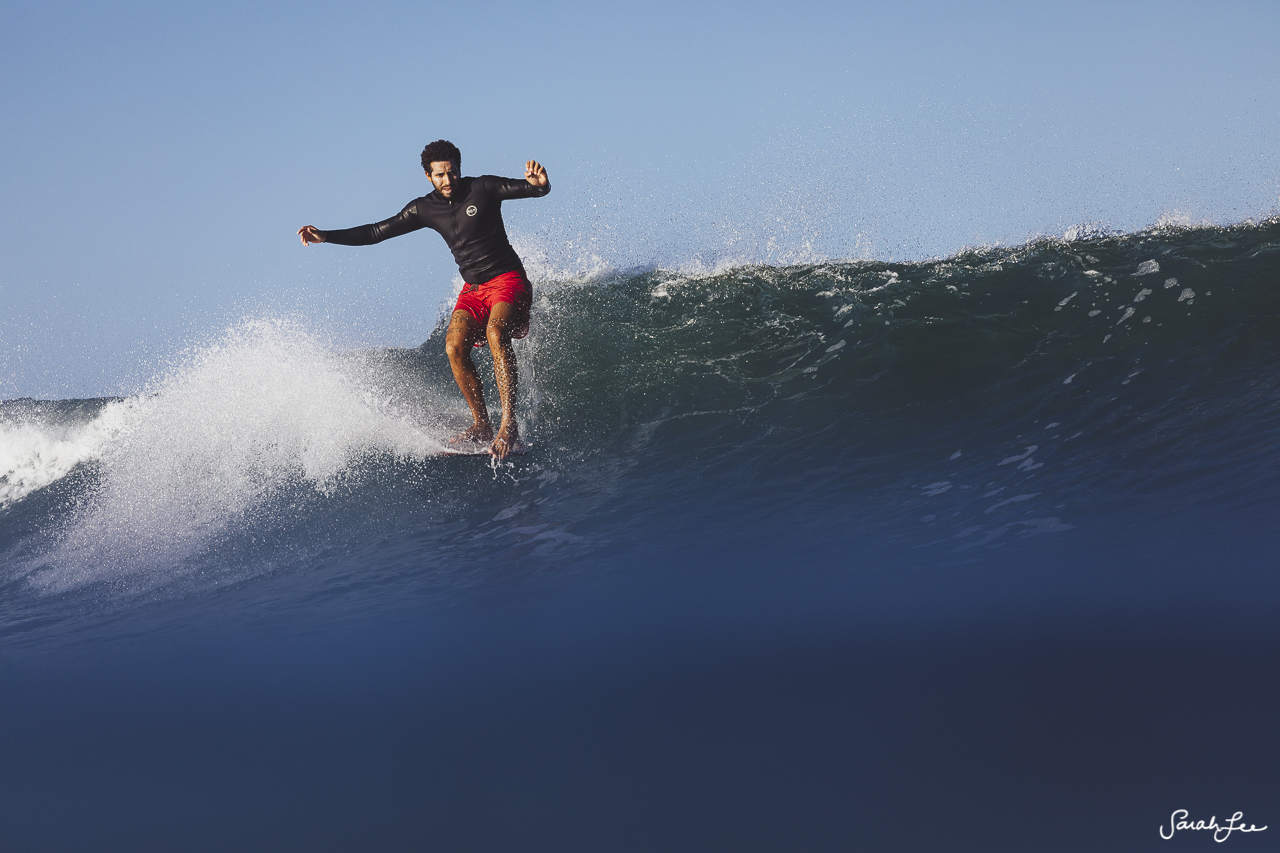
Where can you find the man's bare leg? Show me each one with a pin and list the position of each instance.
(498, 331)
(463, 333)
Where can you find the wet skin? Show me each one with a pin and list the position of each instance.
(464, 333)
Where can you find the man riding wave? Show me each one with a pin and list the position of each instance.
(496, 297)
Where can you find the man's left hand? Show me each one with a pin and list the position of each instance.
(535, 174)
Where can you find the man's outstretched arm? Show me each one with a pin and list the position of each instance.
(534, 185)
(366, 235)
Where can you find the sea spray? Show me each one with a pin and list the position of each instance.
(266, 409)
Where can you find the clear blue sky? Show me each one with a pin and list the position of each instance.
(157, 158)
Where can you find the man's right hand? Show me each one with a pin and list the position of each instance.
(310, 234)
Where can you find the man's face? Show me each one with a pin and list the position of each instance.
(444, 176)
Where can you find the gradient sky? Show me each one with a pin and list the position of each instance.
(158, 158)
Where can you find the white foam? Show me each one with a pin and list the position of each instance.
(269, 406)
(35, 455)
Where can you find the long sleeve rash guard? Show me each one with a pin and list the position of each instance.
(470, 222)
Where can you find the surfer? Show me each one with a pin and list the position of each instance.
(496, 294)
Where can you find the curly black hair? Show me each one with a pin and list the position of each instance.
(441, 149)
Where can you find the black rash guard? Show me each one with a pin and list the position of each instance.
(470, 222)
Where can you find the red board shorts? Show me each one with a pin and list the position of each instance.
(478, 300)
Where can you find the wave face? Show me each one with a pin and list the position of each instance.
(858, 414)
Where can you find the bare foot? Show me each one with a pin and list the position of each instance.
(474, 434)
(507, 439)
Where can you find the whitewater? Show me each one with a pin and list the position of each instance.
(748, 463)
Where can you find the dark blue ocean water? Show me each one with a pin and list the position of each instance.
(969, 554)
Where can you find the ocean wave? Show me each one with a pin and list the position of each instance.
(266, 407)
(964, 403)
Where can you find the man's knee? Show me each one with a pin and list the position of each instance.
(463, 332)
(497, 333)
(455, 346)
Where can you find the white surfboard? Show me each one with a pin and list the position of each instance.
(469, 449)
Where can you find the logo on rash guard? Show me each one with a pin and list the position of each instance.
(471, 211)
